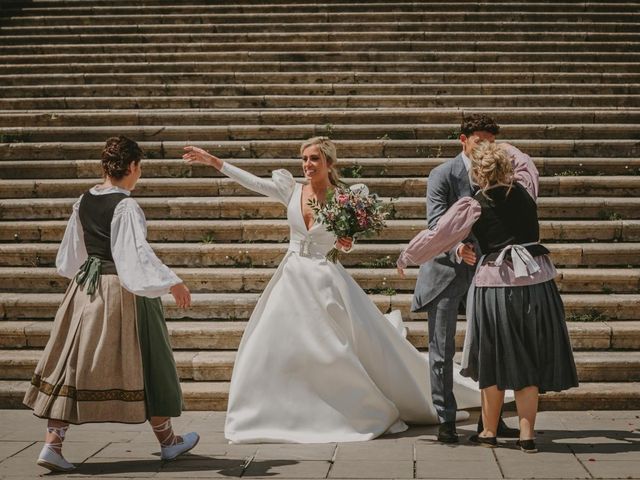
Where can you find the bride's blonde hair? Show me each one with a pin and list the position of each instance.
(491, 166)
(328, 150)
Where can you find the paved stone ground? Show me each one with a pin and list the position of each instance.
(602, 444)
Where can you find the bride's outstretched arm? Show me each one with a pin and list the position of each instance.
(248, 180)
(453, 227)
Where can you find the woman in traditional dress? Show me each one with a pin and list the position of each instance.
(318, 362)
(517, 338)
(108, 358)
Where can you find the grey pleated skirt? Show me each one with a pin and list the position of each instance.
(520, 339)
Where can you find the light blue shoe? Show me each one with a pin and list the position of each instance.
(53, 461)
(172, 452)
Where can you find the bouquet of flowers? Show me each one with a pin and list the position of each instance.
(350, 212)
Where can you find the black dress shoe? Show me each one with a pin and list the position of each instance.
(447, 433)
(503, 430)
(489, 442)
(527, 446)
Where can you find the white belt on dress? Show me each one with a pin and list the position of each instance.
(304, 248)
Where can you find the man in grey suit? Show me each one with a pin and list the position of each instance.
(444, 281)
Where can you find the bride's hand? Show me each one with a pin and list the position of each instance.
(345, 243)
(198, 155)
(401, 272)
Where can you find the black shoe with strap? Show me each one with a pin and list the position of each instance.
(503, 430)
(489, 442)
(527, 446)
(447, 433)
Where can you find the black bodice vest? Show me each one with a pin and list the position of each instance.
(95, 214)
(509, 217)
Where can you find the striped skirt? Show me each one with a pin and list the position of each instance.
(108, 359)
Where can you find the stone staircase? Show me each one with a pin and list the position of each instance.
(388, 80)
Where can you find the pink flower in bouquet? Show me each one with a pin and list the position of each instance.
(343, 199)
(361, 215)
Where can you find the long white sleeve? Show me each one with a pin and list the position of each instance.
(72, 252)
(139, 269)
(279, 187)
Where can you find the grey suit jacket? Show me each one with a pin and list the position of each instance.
(447, 183)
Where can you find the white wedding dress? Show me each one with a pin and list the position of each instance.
(318, 362)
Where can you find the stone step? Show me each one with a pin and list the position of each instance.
(593, 396)
(199, 45)
(578, 5)
(604, 186)
(185, 208)
(448, 24)
(238, 306)
(321, 55)
(212, 396)
(247, 231)
(501, 65)
(225, 336)
(377, 148)
(216, 366)
(506, 38)
(323, 101)
(349, 167)
(511, 119)
(406, 131)
(360, 6)
(423, 14)
(254, 280)
(327, 89)
(269, 254)
(357, 78)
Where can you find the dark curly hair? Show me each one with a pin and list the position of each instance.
(478, 122)
(118, 155)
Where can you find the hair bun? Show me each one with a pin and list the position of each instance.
(118, 155)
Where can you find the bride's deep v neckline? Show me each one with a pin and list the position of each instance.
(301, 211)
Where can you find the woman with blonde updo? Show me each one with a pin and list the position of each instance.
(318, 362)
(516, 336)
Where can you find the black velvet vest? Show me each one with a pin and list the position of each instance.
(95, 214)
(508, 217)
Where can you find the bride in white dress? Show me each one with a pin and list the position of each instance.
(318, 362)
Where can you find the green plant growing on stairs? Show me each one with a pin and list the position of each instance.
(570, 173)
(354, 171)
(381, 262)
(390, 292)
(208, 238)
(589, 316)
(329, 129)
(243, 260)
(454, 135)
(14, 138)
(609, 215)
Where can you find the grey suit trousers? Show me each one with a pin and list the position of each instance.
(443, 316)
